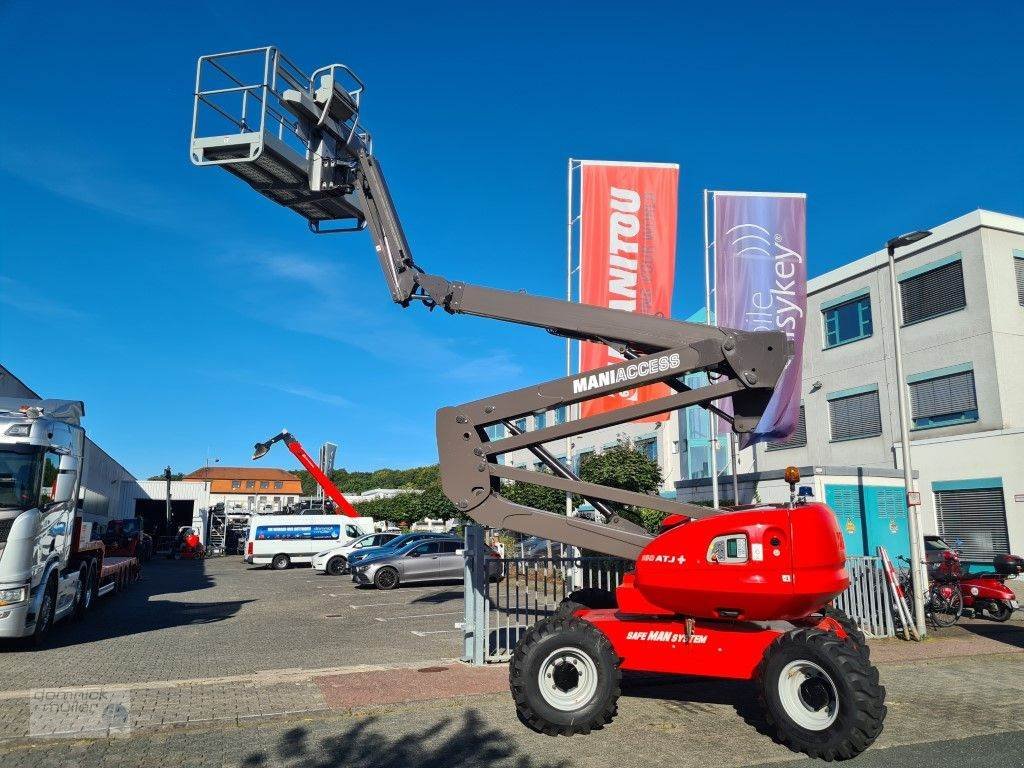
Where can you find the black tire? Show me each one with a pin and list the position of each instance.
(999, 612)
(47, 609)
(854, 634)
(386, 578)
(83, 598)
(336, 566)
(584, 658)
(281, 562)
(945, 612)
(838, 702)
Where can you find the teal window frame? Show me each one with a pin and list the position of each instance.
(539, 420)
(833, 331)
(648, 447)
(561, 414)
(953, 418)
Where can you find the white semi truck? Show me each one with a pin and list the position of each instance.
(49, 570)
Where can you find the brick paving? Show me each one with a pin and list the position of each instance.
(681, 723)
(144, 664)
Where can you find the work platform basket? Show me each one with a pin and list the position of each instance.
(294, 138)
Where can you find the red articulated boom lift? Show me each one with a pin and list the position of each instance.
(341, 504)
(708, 593)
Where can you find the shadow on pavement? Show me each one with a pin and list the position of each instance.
(1010, 634)
(135, 611)
(439, 598)
(464, 741)
(693, 694)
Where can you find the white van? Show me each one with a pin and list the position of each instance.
(280, 540)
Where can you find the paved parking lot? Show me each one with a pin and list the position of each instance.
(220, 617)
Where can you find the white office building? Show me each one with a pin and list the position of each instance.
(961, 325)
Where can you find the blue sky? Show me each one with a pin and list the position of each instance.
(194, 317)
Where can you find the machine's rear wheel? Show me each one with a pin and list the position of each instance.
(565, 677)
(821, 695)
(280, 562)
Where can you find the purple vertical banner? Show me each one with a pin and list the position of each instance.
(761, 285)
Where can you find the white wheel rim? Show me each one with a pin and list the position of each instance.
(808, 695)
(567, 679)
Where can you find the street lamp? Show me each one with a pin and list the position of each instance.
(918, 574)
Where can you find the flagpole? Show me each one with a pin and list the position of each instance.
(568, 297)
(712, 427)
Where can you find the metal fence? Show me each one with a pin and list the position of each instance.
(506, 597)
(867, 600)
(501, 603)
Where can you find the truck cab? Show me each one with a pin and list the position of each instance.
(41, 455)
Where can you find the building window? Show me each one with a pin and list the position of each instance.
(933, 291)
(942, 398)
(291, 500)
(250, 483)
(264, 483)
(562, 414)
(848, 321)
(278, 484)
(648, 447)
(236, 485)
(540, 420)
(1018, 268)
(797, 439)
(495, 431)
(972, 517)
(854, 414)
(520, 424)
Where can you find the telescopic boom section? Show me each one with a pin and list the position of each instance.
(340, 173)
(341, 504)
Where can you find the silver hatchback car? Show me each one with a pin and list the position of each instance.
(431, 560)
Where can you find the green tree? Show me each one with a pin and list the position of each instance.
(536, 496)
(624, 467)
(433, 503)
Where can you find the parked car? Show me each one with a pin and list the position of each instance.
(396, 543)
(281, 540)
(435, 559)
(334, 561)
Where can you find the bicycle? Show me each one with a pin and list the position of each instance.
(945, 603)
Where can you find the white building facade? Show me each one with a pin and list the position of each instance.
(961, 326)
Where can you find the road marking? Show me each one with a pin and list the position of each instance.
(425, 632)
(417, 616)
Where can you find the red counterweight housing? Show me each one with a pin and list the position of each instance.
(755, 565)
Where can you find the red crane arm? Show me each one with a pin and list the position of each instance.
(341, 504)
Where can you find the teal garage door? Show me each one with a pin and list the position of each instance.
(886, 520)
(847, 501)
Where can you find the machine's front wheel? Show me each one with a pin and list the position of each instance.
(336, 566)
(565, 677)
(821, 695)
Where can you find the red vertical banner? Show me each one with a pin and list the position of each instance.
(627, 256)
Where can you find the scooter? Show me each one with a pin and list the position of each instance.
(987, 594)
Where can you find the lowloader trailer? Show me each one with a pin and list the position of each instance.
(740, 594)
(47, 571)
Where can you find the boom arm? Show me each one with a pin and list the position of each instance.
(342, 174)
(341, 504)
